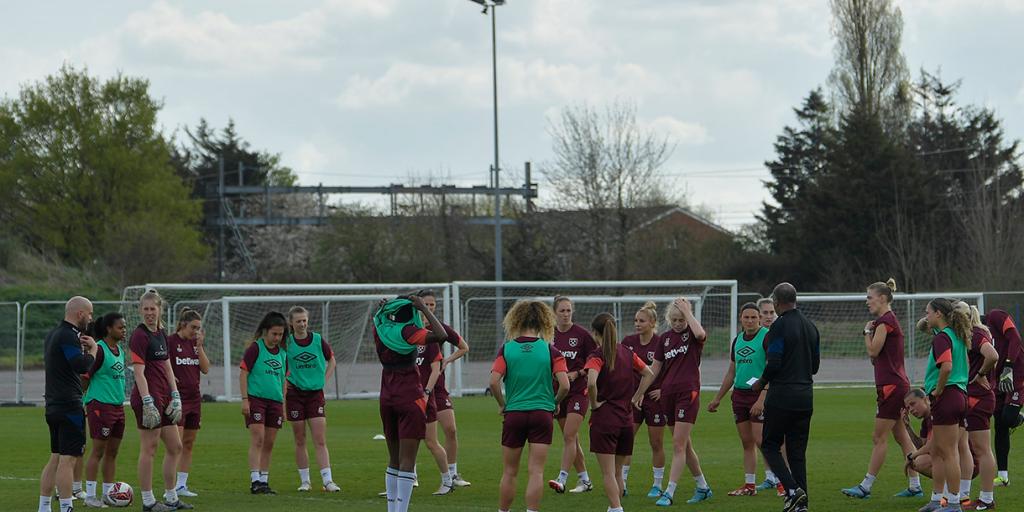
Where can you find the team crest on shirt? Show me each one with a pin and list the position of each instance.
(650, 355)
(179, 348)
(667, 342)
(421, 348)
(574, 341)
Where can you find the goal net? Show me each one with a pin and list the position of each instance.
(841, 318)
(479, 307)
(341, 313)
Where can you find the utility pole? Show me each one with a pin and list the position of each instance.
(220, 209)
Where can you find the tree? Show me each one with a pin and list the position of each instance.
(606, 164)
(870, 74)
(86, 175)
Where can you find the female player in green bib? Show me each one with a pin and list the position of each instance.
(946, 383)
(747, 360)
(262, 383)
(104, 401)
(310, 363)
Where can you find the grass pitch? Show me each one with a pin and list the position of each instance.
(838, 455)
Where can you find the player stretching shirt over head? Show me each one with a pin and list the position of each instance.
(526, 363)
(575, 344)
(188, 360)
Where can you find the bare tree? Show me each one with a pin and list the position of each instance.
(605, 164)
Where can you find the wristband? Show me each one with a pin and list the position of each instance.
(175, 395)
(147, 400)
(244, 398)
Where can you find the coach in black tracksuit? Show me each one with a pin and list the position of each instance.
(69, 353)
(793, 358)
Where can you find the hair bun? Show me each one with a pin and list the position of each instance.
(650, 305)
(891, 283)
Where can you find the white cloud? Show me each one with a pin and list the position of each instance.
(308, 159)
(403, 80)
(680, 132)
(1020, 95)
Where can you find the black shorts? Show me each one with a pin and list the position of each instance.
(67, 433)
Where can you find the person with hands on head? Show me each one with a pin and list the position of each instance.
(398, 328)
(883, 339)
(610, 371)
(188, 359)
(677, 359)
(442, 399)
(1009, 389)
(575, 344)
(68, 354)
(104, 402)
(526, 364)
(643, 344)
(793, 358)
(746, 364)
(310, 363)
(156, 403)
(261, 381)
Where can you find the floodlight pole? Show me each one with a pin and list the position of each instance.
(498, 307)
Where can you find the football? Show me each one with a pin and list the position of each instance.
(121, 494)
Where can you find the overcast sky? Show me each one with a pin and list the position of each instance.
(363, 92)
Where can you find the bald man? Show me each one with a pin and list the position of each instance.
(793, 357)
(69, 353)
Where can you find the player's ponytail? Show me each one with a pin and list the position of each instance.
(957, 316)
(886, 289)
(100, 328)
(977, 322)
(187, 315)
(605, 334)
(270, 320)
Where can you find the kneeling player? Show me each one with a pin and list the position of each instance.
(261, 382)
(104, 406)
(612, 397)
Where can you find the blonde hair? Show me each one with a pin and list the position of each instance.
(651, 310)
(976, 320)
(296, 310)
(606, 335)
(885, 289)
(530, 315)
(668, 311)
(153, 295)
(958, 315)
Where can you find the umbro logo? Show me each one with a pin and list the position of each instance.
(745, 352)
(526, 348)
(305, 357)
(117, 367)
(273, 364)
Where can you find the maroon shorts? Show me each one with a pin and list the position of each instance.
(405, 421)
(650, 413)
(680, 406)
(304, 405)
(431, 411)
(161, 405)
(950, 408)
(191, 413)
(442, 400)
(576, 404)
(269, 413)
(105, 420)
(518, 427)
(890, 401)
(979, 411)
(613, 440)
(742, 401)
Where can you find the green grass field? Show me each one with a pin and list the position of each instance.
(838, 453)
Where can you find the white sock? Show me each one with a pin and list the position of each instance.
(671, 489)
(582, 476)
(659, 476)
(405, 480)
(76, 486)
(325, 475)
(303, 474)
(750, 478)
(391, 487)
(563, 476)
(965, 488)
(701, 482)
(453, 468)
(625, 473)
(1005, 475)
(148, 498)
(182, 480)
(44, 504)
(265, 476)
(915, 482)
(170, 495)
(90, 488)
(936, 496)
(65, 504)
(868, 481)
(446, 479)
(987, 496)
(254, 475)
(615, 509)
(106, 488)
